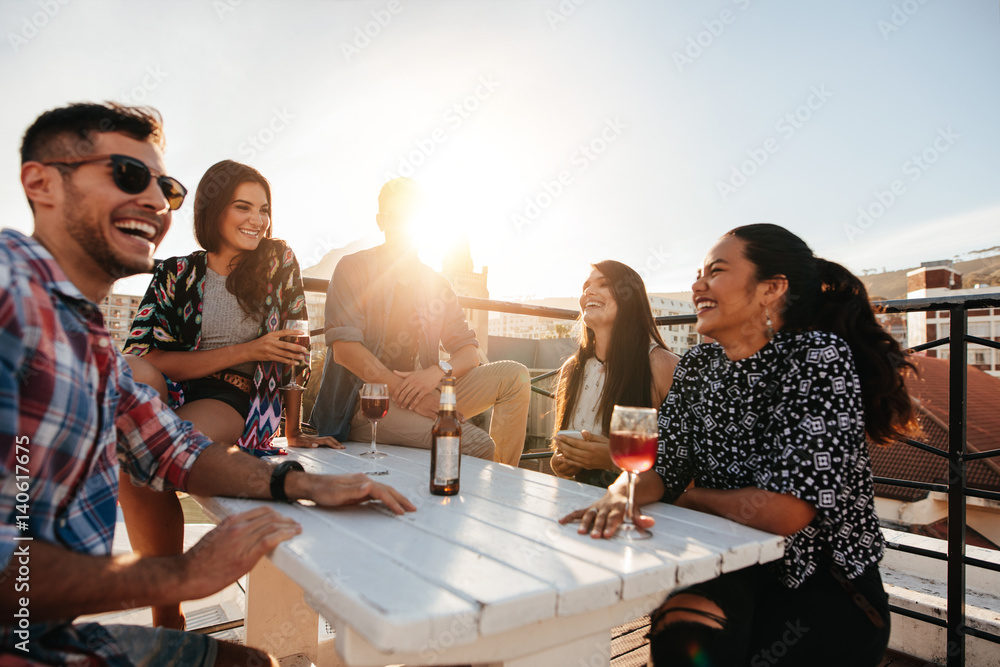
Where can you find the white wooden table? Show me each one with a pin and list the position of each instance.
(484, 577)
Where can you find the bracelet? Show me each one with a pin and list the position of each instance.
(278, 479)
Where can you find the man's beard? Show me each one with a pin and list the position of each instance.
(83, 227)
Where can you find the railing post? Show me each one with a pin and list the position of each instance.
(957, 393)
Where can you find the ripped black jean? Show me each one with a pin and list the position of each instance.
(822, 622)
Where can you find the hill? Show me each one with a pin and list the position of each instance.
(892, 284)
(324, 268)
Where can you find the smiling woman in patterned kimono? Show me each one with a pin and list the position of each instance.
(209, 328)
(766, 426)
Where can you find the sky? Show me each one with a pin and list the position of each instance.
(551, 133)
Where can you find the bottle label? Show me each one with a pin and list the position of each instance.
(448, 457)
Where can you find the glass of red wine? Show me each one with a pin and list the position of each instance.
(300, 338)
(374, 406)
(633, 438)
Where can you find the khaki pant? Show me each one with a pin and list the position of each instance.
(502, 385)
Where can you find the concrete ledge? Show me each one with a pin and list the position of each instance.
(919, 583)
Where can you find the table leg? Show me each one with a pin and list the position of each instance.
(278, 620)
(591, 651)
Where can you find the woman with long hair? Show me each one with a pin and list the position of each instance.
(208, 335)
(622, 360)
(767, 426)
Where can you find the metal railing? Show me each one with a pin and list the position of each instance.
(957, 455)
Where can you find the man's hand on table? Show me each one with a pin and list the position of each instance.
(335, 490)
(232, 549)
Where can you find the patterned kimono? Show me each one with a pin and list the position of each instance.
(170, 319)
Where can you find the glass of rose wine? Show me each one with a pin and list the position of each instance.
(374, 406)
(634, 433)
(301, 337)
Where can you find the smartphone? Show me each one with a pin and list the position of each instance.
(572, 434)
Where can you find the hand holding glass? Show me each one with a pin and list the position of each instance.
(633, 439)
(374, 406)
(301, 338)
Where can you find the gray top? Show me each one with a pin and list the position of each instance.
(223, 322)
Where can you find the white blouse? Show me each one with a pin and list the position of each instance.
(586, 416)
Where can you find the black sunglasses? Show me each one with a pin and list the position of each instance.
(132, 176)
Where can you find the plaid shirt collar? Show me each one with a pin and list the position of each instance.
(43, 264)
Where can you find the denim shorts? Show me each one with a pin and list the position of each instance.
(160, 647)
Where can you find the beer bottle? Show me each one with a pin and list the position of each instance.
(445, 438)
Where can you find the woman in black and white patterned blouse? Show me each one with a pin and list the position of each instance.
(767, 427)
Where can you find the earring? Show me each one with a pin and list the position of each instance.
(770, 325)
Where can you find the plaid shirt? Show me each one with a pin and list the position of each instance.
(70, 413)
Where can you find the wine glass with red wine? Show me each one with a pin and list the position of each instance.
(374, 406)
(633, 449)
(300, 338)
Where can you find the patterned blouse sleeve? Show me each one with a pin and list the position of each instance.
(152, 327)
(819, 426)
(675, 451)
(294, 295)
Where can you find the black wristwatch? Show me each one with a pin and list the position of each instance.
(278, 479)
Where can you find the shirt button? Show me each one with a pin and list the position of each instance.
(103, 342)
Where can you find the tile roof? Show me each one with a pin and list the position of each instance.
(930, 390)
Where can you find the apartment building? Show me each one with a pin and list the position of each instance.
(940, 278)
(119, 310)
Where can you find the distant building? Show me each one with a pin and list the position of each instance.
(941, 279)
(679, 337)
(894, 323)
(510, 325)
(458, 268)
(119, 310)
(316, 307)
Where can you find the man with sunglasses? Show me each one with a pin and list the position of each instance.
(71, 413)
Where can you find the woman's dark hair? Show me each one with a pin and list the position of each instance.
(629, 376)
(246, 281)
(823, 295)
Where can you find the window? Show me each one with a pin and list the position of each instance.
(979, 329)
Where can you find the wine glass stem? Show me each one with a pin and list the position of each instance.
(631, 498)
(374, 430)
